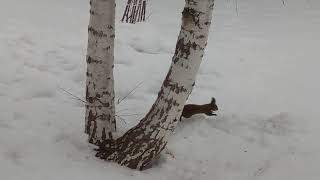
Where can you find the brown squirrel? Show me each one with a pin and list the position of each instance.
(192, 109)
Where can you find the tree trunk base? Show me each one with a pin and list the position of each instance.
(135, 149)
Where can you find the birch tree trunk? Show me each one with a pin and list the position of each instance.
(100, 108)
(141, 145)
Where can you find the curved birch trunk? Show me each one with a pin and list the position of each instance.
(100, 108)
(141, 145)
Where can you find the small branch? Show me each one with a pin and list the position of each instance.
(74, 96)
(126, 96)
(147, 18)
(121, 118)
(81, 100)
(237, 8)
(135, 11)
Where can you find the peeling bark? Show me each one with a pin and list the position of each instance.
(142, 144)
(100, 108)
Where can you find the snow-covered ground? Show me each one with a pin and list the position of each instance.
(261, 64)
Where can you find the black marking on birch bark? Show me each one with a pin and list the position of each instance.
(87, 93)
(89, 74)
(190, 15)
(91, 60)
(92, 121)
(207, 23)
(200, 36)
(167, 80)
(98, 33)
(173, 86)
(97, 99)
(183, 50)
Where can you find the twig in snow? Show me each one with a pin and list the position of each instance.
(74, 96)
(126, 96)
(121, 118)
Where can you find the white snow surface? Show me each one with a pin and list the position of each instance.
(261, 64)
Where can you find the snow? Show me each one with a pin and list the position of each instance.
(261, 64)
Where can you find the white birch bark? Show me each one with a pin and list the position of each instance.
(100, 108)
(143, 143)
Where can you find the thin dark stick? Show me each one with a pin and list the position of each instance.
(122, 119)
(148, 16)
(138, 13)
(143, 11)
(237, 8)
(135, 11)
(76, 97)
(126, 12)
(136, 87)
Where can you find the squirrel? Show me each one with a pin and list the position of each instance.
(192, 109)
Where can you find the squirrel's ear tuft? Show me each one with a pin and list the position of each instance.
(213, 100)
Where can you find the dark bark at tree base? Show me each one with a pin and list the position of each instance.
(131, 143)
(142, 149)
